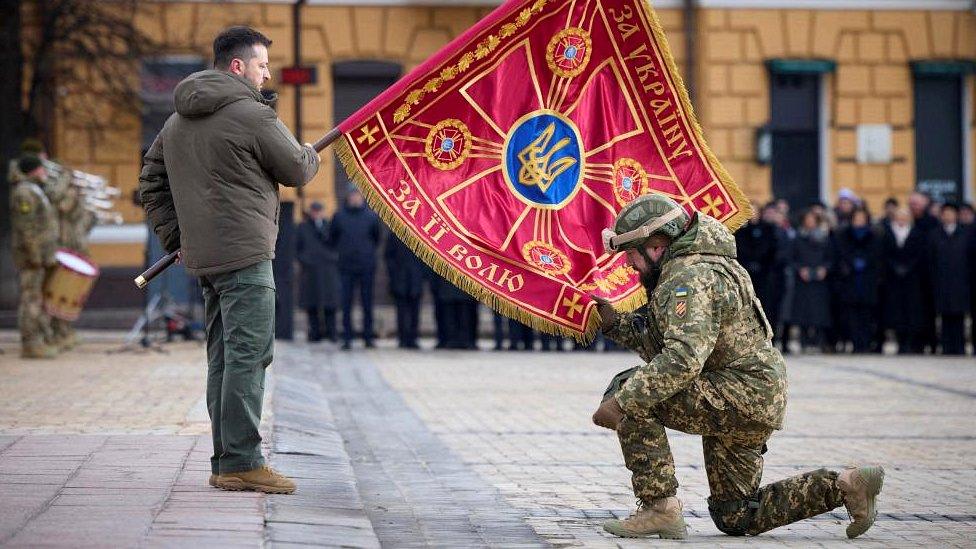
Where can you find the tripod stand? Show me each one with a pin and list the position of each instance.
(154, 307)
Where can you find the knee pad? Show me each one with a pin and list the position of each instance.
(734, 517)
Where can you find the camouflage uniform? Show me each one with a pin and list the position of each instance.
(711, 370)
(74, 224)
(35, 232)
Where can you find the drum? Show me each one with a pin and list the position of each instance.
(66, 288)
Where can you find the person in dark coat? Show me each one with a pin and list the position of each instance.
(520, 336)
(903, 254)
(857, 268)
(456, 320)
(919, 205)
(320, 274)
(500, 333)
(356, 231)
(407, 276)
(780, 284)
(949, 264)
(810, 263)
(757, 248)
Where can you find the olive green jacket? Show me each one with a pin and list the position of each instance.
(210, 180)
(704, 328)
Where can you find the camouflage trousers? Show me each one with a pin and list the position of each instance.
(34, 323)
(733, 447)
(63, 330)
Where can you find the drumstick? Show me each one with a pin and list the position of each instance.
(143, 279)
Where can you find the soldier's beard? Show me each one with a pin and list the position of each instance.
(650, 278)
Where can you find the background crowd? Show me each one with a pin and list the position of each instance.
(831, 279)
(841, 280)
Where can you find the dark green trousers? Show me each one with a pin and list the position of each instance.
(240, 308)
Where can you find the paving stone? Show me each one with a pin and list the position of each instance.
(530, 437)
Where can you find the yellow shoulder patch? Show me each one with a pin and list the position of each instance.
(25, 207)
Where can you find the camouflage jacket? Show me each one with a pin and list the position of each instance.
(75, 223)
(34, 224)
(705, 327)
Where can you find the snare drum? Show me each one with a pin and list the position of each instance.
(66, 288)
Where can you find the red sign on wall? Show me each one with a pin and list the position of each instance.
(299, 76)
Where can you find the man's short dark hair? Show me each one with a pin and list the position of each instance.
(236, 43)
(892, 201)
(950, 206)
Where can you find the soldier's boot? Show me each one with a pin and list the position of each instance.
(68, 341)
(39, 350)
(662, 517)
(212, 480)
(263, 479)
(861, 486)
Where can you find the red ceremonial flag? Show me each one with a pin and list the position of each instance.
(501, 159)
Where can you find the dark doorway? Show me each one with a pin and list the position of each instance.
(356, 83)
(795, 127)
(938, 136)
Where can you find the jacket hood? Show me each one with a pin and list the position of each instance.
(204, 93)
(705, 235)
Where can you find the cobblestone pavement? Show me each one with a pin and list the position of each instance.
(113, 450)
(446, 449)
(94, 389)
(521, 421)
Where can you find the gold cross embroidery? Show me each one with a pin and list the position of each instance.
(573, 305)
(367, 136)
(712, 204)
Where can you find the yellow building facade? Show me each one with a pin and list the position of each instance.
(861, 63)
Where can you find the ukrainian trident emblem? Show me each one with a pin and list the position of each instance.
(543, 159)
(538, 167)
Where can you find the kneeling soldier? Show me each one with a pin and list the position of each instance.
(710, 370)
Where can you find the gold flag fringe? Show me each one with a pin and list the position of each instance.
(745, 211)
(452, 273)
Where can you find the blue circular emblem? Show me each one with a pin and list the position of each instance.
(570, 52)
(447, 145)
(543, 159)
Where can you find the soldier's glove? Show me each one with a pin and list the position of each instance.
(608, 315)
(608, 415)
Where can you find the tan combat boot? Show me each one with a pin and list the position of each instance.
(68, 342)
(212, 480)
(662, 518)
(860, 485)
(39, 350)
(263, 479)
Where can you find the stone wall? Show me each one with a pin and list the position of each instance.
(872, 84)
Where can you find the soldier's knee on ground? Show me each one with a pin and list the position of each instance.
(735, 518)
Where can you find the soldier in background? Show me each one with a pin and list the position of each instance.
(35, 233)
(74, 224)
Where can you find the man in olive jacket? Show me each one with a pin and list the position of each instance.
(210, 188)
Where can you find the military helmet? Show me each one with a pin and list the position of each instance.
(646, 216)
(28, 163)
